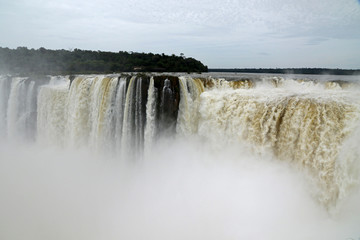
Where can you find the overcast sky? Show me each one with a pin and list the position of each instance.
(226, 33)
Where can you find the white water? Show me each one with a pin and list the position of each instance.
(150, 128)
(52, 115)
(119, 112)
(101, 109)
(4, 95)
(16, 108)
(276, 159)
(188, 116)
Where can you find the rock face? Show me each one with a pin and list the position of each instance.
(167, 102)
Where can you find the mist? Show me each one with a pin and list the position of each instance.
(182, 190)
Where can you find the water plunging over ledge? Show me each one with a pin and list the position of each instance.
(310, 124)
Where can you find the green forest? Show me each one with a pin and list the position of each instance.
(44, 61)
(24, 61)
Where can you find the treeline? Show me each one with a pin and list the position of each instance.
(314, 71)
(44, 61)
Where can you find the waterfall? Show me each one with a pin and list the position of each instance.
(101, 112)
(134, 119)
(150, 129)
(188, 118)
(138, 116)
(16, 108)
(303, 122)
(119, 108)
(21, 111)
(77, 122)
(166, 107)
(305, 125)
(5, 84)
(52, 108)
(128, 139)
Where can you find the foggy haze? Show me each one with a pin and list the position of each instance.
(48, 193)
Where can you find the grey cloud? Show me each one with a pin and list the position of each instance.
(316, 41)
(264, 53)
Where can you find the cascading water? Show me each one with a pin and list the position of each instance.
(16, 108)
(119, 107)
(150, 128)
(52, 109)
(4, 96)
(128, 138)
(101, 118)
(19, 107)
(299, 121)
(189, 157)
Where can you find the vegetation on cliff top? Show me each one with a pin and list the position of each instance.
(44, 61)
